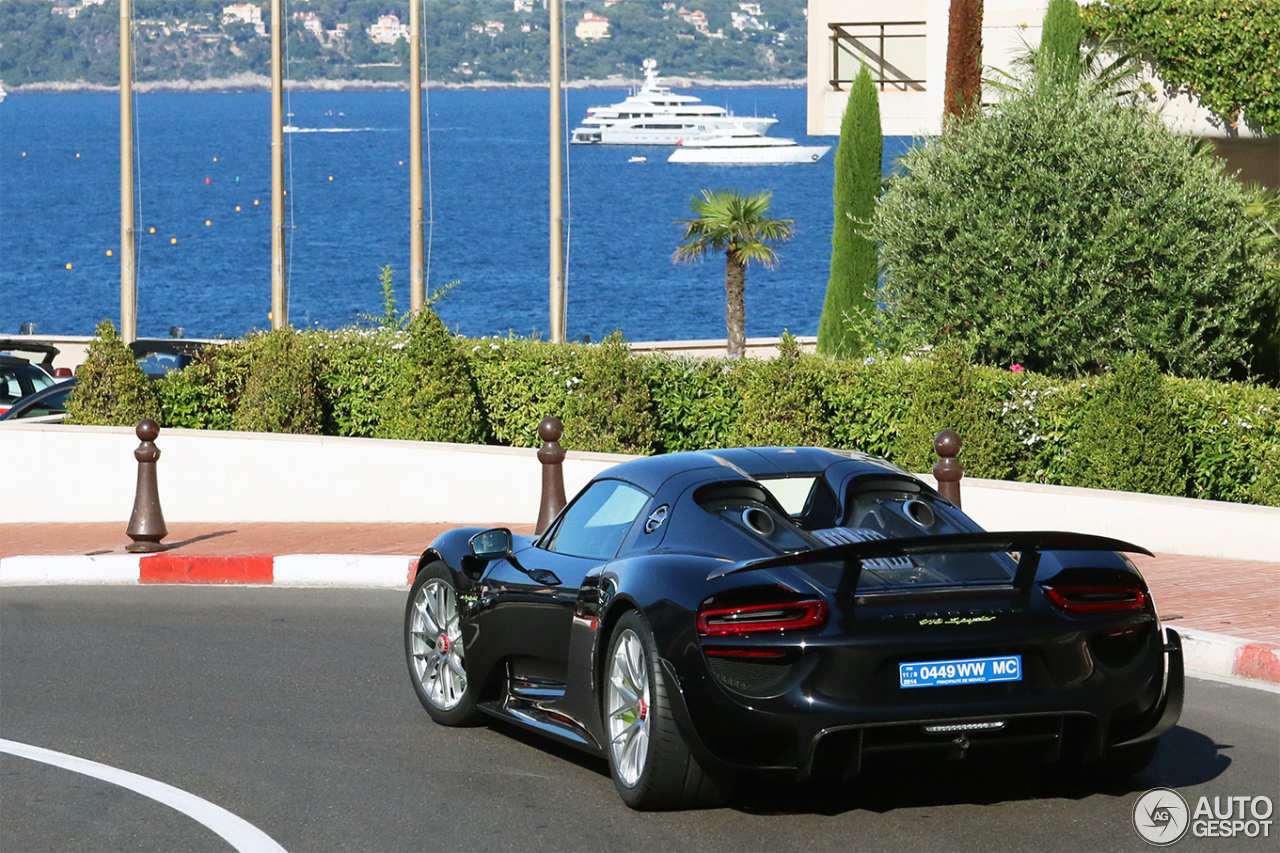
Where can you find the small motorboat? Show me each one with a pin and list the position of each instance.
(746, 149)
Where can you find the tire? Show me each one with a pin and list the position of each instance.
(434, 649)
(651, 765)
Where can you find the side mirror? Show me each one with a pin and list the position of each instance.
(491, 544)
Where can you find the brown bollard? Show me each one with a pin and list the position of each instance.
(146, 525)
(551, 455)
(948, 470)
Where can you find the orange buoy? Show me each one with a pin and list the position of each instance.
(68, 266)
(331, 177)
(255, 201)
(153, 230)
(237, 208)
(173, 239)
(207, 181)
(108, 253)
(215, 159)
(77, 153)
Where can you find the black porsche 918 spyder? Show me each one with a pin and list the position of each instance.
(695, 616)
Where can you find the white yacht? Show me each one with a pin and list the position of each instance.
(654, 115)
(746, 149)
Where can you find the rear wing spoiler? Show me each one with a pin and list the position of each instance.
(1028, 543)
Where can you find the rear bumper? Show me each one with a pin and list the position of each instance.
(1080, 725)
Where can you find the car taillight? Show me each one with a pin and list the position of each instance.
(1098, 599)
(758, 618)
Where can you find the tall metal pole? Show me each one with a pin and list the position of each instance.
(417, 265)
(557, 214)
(128, 258)
(279, 284)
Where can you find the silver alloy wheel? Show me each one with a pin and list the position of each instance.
(627, 707)
(436, 645)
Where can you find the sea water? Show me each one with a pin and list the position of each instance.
(203, 208)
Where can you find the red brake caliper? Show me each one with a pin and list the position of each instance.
(644, 708)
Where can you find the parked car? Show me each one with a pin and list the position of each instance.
(19, 378)
(793, 611)
(48, 405)
(158, 356)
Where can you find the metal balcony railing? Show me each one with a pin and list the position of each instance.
(894, 51)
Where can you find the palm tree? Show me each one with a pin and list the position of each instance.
(734, 223)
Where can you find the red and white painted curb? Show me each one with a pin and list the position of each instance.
(394, 571)
(1229, 657)
(1203, 652)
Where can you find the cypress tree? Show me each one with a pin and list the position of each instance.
(963, 90)
(845, 328)
(1058, 59)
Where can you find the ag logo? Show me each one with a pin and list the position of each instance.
(1160, 816)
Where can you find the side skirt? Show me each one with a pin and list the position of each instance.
(530, 705)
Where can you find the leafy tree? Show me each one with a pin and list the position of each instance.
(963, 90)
(1065, 229)
(845, 327)
(733, 223)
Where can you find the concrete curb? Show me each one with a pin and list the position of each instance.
(1229, 657)
(386, 571)
(1203, 652)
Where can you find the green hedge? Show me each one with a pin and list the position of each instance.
(1131, 428)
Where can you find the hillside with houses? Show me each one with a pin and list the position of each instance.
(478, 42)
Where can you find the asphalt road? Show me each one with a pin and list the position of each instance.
(292, 709)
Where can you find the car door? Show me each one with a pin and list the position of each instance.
(530, 598)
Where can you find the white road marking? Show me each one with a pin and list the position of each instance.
(241, 834)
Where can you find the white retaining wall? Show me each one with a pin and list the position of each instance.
(85, 473)
(73, 474)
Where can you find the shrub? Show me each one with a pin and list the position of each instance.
(866, 402)
(280, 393)
(610, 408)
(357, 370)
(1063, 230)
(696, 400)
(204, 394)
(112, 389)
(434, 397)
(1128, 437)
(599, 391)
(1230, 434)
(782, 401)
(1129, 429)
(1223, 51)
(946, 393)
